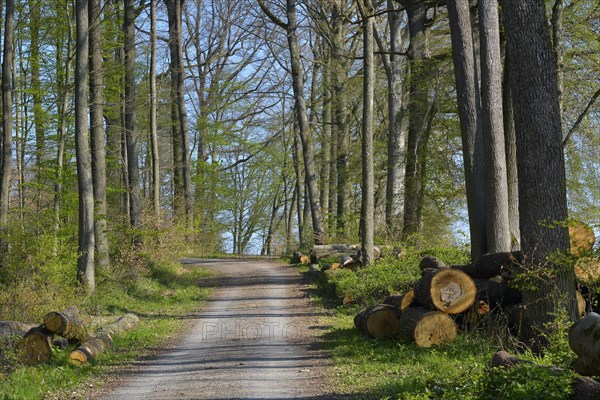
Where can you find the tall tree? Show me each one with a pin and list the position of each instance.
(301, 115)
(86, 241)
(395, 68)
(63, 77)
(36, 92)
(133, 168)
(421, 110)
(496, 186)
(469, 112)
(153, 117)
(540, 163)
(97, 133)
(7, 121)
(178, 85)
(368, 181)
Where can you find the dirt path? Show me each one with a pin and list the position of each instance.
(255, 339)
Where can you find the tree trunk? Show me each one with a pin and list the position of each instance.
(304, 127)
(178, 77)
(421, 112)
(511, 160)
(367, 213)
(97, 133)
(496, 190)
(37, 95)
(540, 163)
(396, 146)
(7, 123)
(327, 141)
(63, 76)
(340, 127)
(86, 241)
(467, 89)
(131, 135)
(153, 110)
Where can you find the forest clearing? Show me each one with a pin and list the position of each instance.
(428, 168)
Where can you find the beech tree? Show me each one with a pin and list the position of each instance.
(7, 122)
(86, 241)
(367, 225)
(540, 163)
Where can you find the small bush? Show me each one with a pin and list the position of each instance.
(526, 382)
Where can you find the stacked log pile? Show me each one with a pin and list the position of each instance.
(35, 344)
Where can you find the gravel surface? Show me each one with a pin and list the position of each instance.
(257, 338)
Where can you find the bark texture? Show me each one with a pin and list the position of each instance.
(496, 189)
(467, 89)
(540, 163)
(86, 241)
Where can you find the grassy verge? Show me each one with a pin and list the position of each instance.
(366, 368)
(159, 291)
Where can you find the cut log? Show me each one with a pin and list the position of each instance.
(68, 324)
(445, 289)
(101, 340)
(35, 347)
(581, 238)
(584, 340)
(402, 301)
(587, 270)
(304, 260)
(431, 262)
(492, 264)
(427, 328)
(495, 292)
(326, 250)
(14, 328)
(380, 321)
(584, 388)
(335, 266)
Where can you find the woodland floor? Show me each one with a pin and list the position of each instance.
(258, 337)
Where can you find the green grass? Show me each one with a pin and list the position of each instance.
(366, 368)
(159, 292)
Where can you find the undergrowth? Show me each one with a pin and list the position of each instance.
(148, 281)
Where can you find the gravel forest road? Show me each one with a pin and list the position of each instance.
(256, 338)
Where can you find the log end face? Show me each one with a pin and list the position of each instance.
(55, 322)
(435, 328)
(452, 291)
(77, 358)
